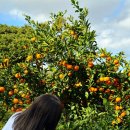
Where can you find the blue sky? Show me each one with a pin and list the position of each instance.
(9, 20)
(110, 18)
(118, 9)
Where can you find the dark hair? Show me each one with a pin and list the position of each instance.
(43, 114)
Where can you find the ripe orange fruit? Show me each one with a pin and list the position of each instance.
(33, 39)
(27, 96)
(117, 65)
(10, 93)
(22, 80)
(107, 90)
(60, 62)
(119, 120)
(28, 101)
(69, 67)
(38, 56)
(116, 80)
(123, 114)
(16, 90)
(127, 97)
(113, 122)
(95, 89)
(25, 47)
(102, 55)
(20, 102)
(91, 89)
(116, 61)
(121, 107)
(90, 64)
(43, 82)
(129, 74)
(17, 75)
(29, 58)
(18, 109)
(61, 76)
(101, 79)
(101, 89)
(15, 101)
(23, 95)
(72, 32)
(12, 109)
(108, 58)
(64, 63)
(118, 99)
(108, 82)
(79, 84)
(76, 68)
(106, 78)
(69, 74)
(25, 71)
(15, 86)
(2, 89)
(110, 97)
(117, 107)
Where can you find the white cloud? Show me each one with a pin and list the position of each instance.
(104, 42)
(17, 13)
(111, 44)
(125, 23)
(106, 33)
(40, 18)
(20, 14)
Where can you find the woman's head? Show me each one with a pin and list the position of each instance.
(44, 112)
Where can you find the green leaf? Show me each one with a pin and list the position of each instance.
(86, 95)
(104, 101)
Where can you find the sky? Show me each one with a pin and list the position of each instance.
(110, 18)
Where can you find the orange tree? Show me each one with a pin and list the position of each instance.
(13, 41)
(61, 56)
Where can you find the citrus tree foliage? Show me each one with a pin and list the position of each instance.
(13, 41)
(61, 56)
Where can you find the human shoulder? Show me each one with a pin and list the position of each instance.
(14, 115)
(9, 123)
